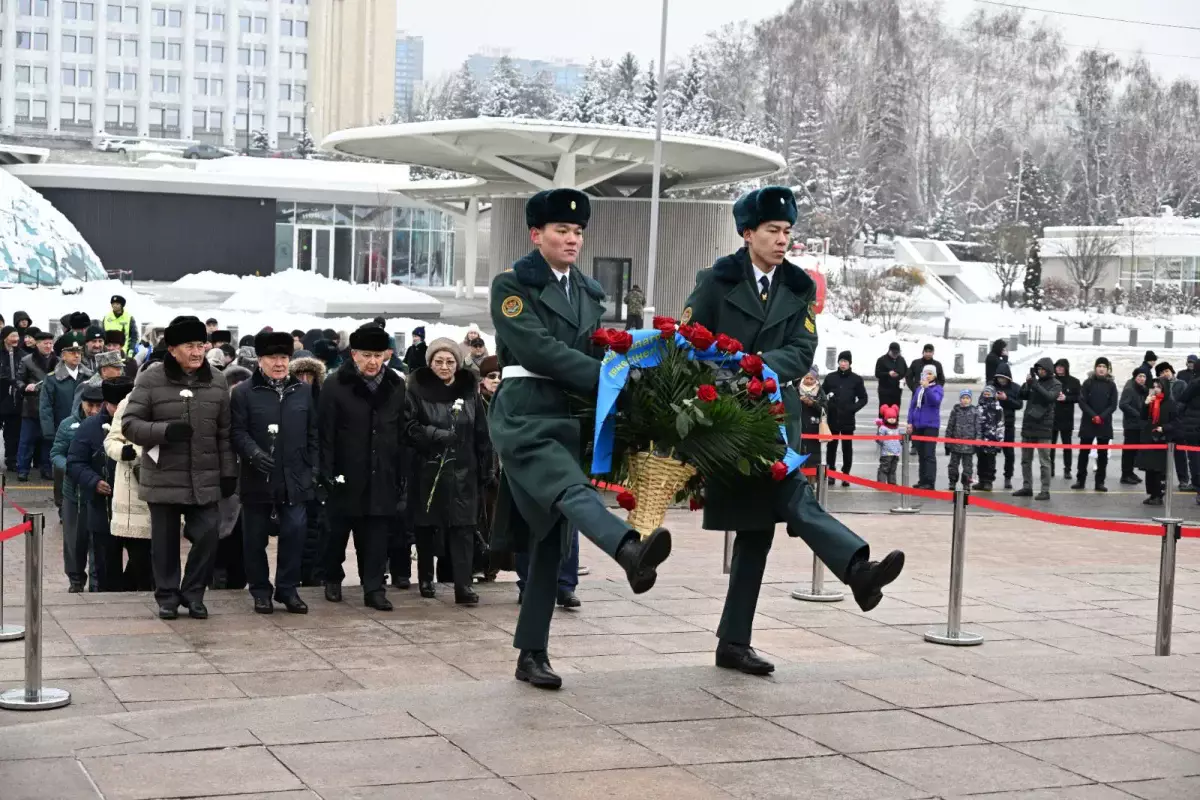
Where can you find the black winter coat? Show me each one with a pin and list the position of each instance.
(254, 406)
(1097, 398)
(362, 435)
(890, 391)
(913, 378)
(1168, 421)
(1041, 395)
(87, 465)
(414, 356)
(1012, 402)
(33, 370)
(461, 437)
(846, 395)
(993, 360)
(10, 395)
(1133, 397)
(1188, 409)
(1064, 410)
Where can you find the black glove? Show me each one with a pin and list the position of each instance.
(262, 462)
(128, 453)
(443, 436)
(228, 487)
(179, 432)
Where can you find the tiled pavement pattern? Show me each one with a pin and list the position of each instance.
(1064, 701)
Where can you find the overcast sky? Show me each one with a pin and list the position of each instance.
(580, 31)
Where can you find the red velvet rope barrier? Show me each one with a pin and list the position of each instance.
(12, 503)
(840, 437)
(15, 531)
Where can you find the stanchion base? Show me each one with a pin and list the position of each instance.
(903, 510)
(17, 700)
(10, 632)
(823, 596)
(960, 639)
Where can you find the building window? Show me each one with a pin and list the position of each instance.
(22, 109)
(68, 77)
(244, 56)
(201, 86)
(298, 92)
(260, 25)
(156, 82)
(85, 44)
(129, 81)
(214, 120)
(159, 17)
(85, 78)
(70, 10)
(260, 57)
(114, 46)
(24, 40)
(38, 108)
(173, 85)
(202, 20)
(243, 88)
(113, 13)
(218, 22)
(201, 53)
(285, 27)
(40, 76)
(69, 43)
(87, 13)
(174, 51)
(131, 14)
(198, 120)
(156, 117)
(175, 20)
(260, 90)
(112, 115)
(285, 60)
(283, 124)
(112, 80)
(129, 48)
(259, 121)
(22, 75)
(301, 27)
(244, 23)
(301, 60)
(128, 115)
(66, 111)
(158, 49)
(216, 87)
(216, 54)
(41, 41)
(172, 117)
(239, 120)
(83, 112)
(285, 91)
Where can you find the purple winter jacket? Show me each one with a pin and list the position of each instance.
(929, 415)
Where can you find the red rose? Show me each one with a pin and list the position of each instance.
(779, 471)
(627, 501)
(778, 410)
(770, 385)
(751, 365)
(667, 332)
(620, 341)
(706, 393)
(727, 344)
(600, 337)
(754, 388)
(663, 322)
(695, 503)
(701, 337)
(686, 330)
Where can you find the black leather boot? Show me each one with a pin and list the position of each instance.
(427, 589)
(333, 592)
(378, 601)
(640, 557)
(533, 667)
(742, 658)
(867, 578)
(292, 602)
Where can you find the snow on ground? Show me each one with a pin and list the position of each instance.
(295, 290)
(49, 303)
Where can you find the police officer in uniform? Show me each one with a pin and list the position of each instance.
(545, 311)
(768, 304)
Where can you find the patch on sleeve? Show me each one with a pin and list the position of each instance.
(512, 306)
(810, 325)
(686, 316)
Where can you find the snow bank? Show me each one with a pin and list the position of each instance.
(210, 281)
(294, 290)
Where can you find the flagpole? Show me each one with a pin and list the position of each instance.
(656, 181)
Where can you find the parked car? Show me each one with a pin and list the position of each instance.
(115, 144)
(206, 151)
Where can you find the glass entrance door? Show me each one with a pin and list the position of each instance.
(314, 249)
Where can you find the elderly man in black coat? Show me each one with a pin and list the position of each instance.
(274, 431)
(362, 433)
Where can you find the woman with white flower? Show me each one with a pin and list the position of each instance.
(274, 432)
(448, 428)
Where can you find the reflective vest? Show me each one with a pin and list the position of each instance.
(123, 323)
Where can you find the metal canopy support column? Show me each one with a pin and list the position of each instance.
(564, 173)
(471, 246)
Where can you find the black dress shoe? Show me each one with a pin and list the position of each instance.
(641, 556)
(333, 592)
(263, 605)
(533, 667)
(75, 588)
(742, 658)
(401, 583)
(867, 578)
(292, 602)
(378, 601)
(427, 589)
(466, 597)
(197, 610)
(168, 611)
(567, 599)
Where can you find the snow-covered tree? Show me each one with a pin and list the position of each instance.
(537, 97)
(1033, 278)
(260, 141)
(304, 144)
(502, 97)
(589, 103)
(647, 96)
(944, 224)
(688, 107)
(462, 95)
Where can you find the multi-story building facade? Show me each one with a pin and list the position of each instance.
(191, 69)
(352, 50)
(567, 75)
(410, 69)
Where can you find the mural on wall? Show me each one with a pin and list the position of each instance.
(38, 245)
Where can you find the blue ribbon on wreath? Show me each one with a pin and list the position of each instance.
(646, 354)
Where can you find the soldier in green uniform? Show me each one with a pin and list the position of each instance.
(545, 311)
(767, 303)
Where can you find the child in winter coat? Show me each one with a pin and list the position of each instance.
(991, 429)
(889, 450)
(963, 424)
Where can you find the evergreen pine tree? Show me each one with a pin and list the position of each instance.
(1033, 278)
(304, 144)
(589, 103)
(260, 141)
(462, 95)
(944, 224)
(503, 95)
(537, 97)
(647, 97)
(626, 76)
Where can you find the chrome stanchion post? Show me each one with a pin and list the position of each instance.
(954, 635)
(7, 632)
(727, 561)
(34, 696)
(815, 592)
(1166, 585)
(905, 448)
(1169, 489)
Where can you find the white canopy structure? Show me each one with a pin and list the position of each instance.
(513, 157)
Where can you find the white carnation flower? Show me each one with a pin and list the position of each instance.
(340, 479)
(186, 394)
(272, 429)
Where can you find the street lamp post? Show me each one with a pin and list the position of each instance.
(656, 181)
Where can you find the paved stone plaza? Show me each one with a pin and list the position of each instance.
(1064, 700)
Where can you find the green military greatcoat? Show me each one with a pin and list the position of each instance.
(539, 442)
(784, 331)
